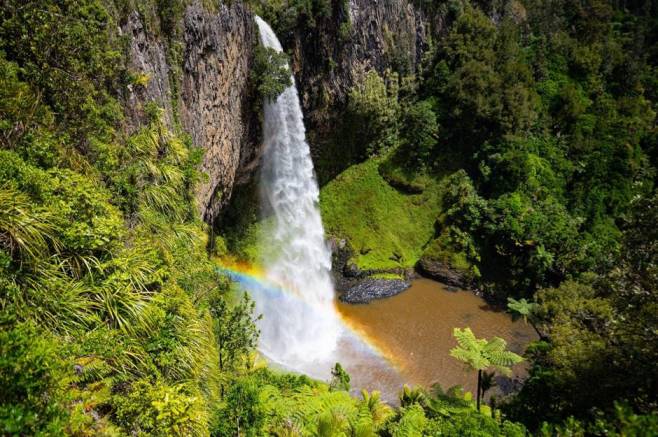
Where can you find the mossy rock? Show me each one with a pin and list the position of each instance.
(445, 264)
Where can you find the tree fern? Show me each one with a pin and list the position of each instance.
(480, 354)
(379, 411)
(333, 422)
(526, 310)
(411, 424)
(410, 396)
(521, 307)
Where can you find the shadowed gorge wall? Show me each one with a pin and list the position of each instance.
(215, 104)
(329, 58)
(201, 80)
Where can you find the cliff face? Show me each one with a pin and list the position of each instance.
(147, 57)
(213, 99)
(331, 57)
(375, 34)
(205, 89)
(216, 101)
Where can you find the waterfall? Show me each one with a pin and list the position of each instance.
(300, 328)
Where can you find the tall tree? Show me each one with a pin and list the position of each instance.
(235, 330)
(481, 354)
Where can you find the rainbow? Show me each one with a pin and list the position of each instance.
(253, 279)
(249, 277)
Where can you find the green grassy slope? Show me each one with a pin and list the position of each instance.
(386, 228)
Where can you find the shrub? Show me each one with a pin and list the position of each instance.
(33, 378)
(154, 408)
(418, 133)
(271, 74)
(373, 113)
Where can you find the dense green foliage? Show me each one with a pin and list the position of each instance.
(108, 300)
(537, 121)
(522, 153)
(265, 403)
(373, 113)
(270, 73)
(550, 136)
(113, 319)
(286, 16)
(601, 334)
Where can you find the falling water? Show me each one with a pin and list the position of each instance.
(300, 329)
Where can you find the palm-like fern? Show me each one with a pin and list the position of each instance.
(521, 308)
(481, 354)
(410, 396)
(333, 422)
(525, 309)
(378, 410)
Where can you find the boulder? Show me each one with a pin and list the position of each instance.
(370, 289)
(443, 272)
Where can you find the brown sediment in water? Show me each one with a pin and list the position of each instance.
(414, 331)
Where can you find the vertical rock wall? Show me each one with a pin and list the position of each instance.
(216, 100)
(213, 104)
(380, 33)
(331, 57)
(147, 56)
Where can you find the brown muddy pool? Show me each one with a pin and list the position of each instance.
(413, 332)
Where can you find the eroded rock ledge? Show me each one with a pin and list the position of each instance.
(444, 273)
(358, 286)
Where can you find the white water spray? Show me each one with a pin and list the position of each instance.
(300, 328)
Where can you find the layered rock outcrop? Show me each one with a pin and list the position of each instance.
(443, 272)
(329, 58)
(216, 100)
(147, 56)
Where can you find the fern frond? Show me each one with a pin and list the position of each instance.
(473, 358)
(494, 345)
(480, 354)
(465, 337)
(504, 358)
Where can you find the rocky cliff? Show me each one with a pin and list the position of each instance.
(201, 82)
(329, 58)
(200, 79)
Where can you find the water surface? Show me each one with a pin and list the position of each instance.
(413, 330)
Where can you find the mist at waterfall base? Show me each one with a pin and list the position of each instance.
(300, 328)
